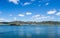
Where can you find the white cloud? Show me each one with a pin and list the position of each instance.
(35, 16)
(21, 15)
(39, 5)
(0, 12)
(47, 17)
(10, 15)
(28, 13)
(42, 17)
(26, 3)
(47, 4)
(2, 19)
(32, 0)
(58, 14)
(51, 12)
(15, 18)
(14, 1)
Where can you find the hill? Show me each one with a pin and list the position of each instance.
(33, 23)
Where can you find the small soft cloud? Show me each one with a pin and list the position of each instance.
(10, 15)
(58, 14)
(26, 3)
(47, 17)
(32, 0)
(45, 0)
(28, 13)
(47, 4)
(14, 1)
(2, 19)
(21, 15)
(39, 5)
(42, 17)
(51, 12)
(15, 18)
(0, 12)
(36, 16)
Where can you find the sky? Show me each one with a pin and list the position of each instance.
(29, 10)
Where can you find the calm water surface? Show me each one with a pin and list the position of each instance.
(29, 31)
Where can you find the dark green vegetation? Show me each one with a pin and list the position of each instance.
(33, 23)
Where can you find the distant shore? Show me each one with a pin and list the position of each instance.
(18, 23)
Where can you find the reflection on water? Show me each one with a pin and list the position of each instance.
(30, 31)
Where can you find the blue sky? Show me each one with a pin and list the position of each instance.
(29, 10)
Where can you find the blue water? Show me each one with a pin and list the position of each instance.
(30, 31)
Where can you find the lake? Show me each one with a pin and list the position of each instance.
(29, 31)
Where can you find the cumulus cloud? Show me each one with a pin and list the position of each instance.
(58, 14)
(51, 12)
(26, 3)
(28, 13)
(21, 15)
(14, 1)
